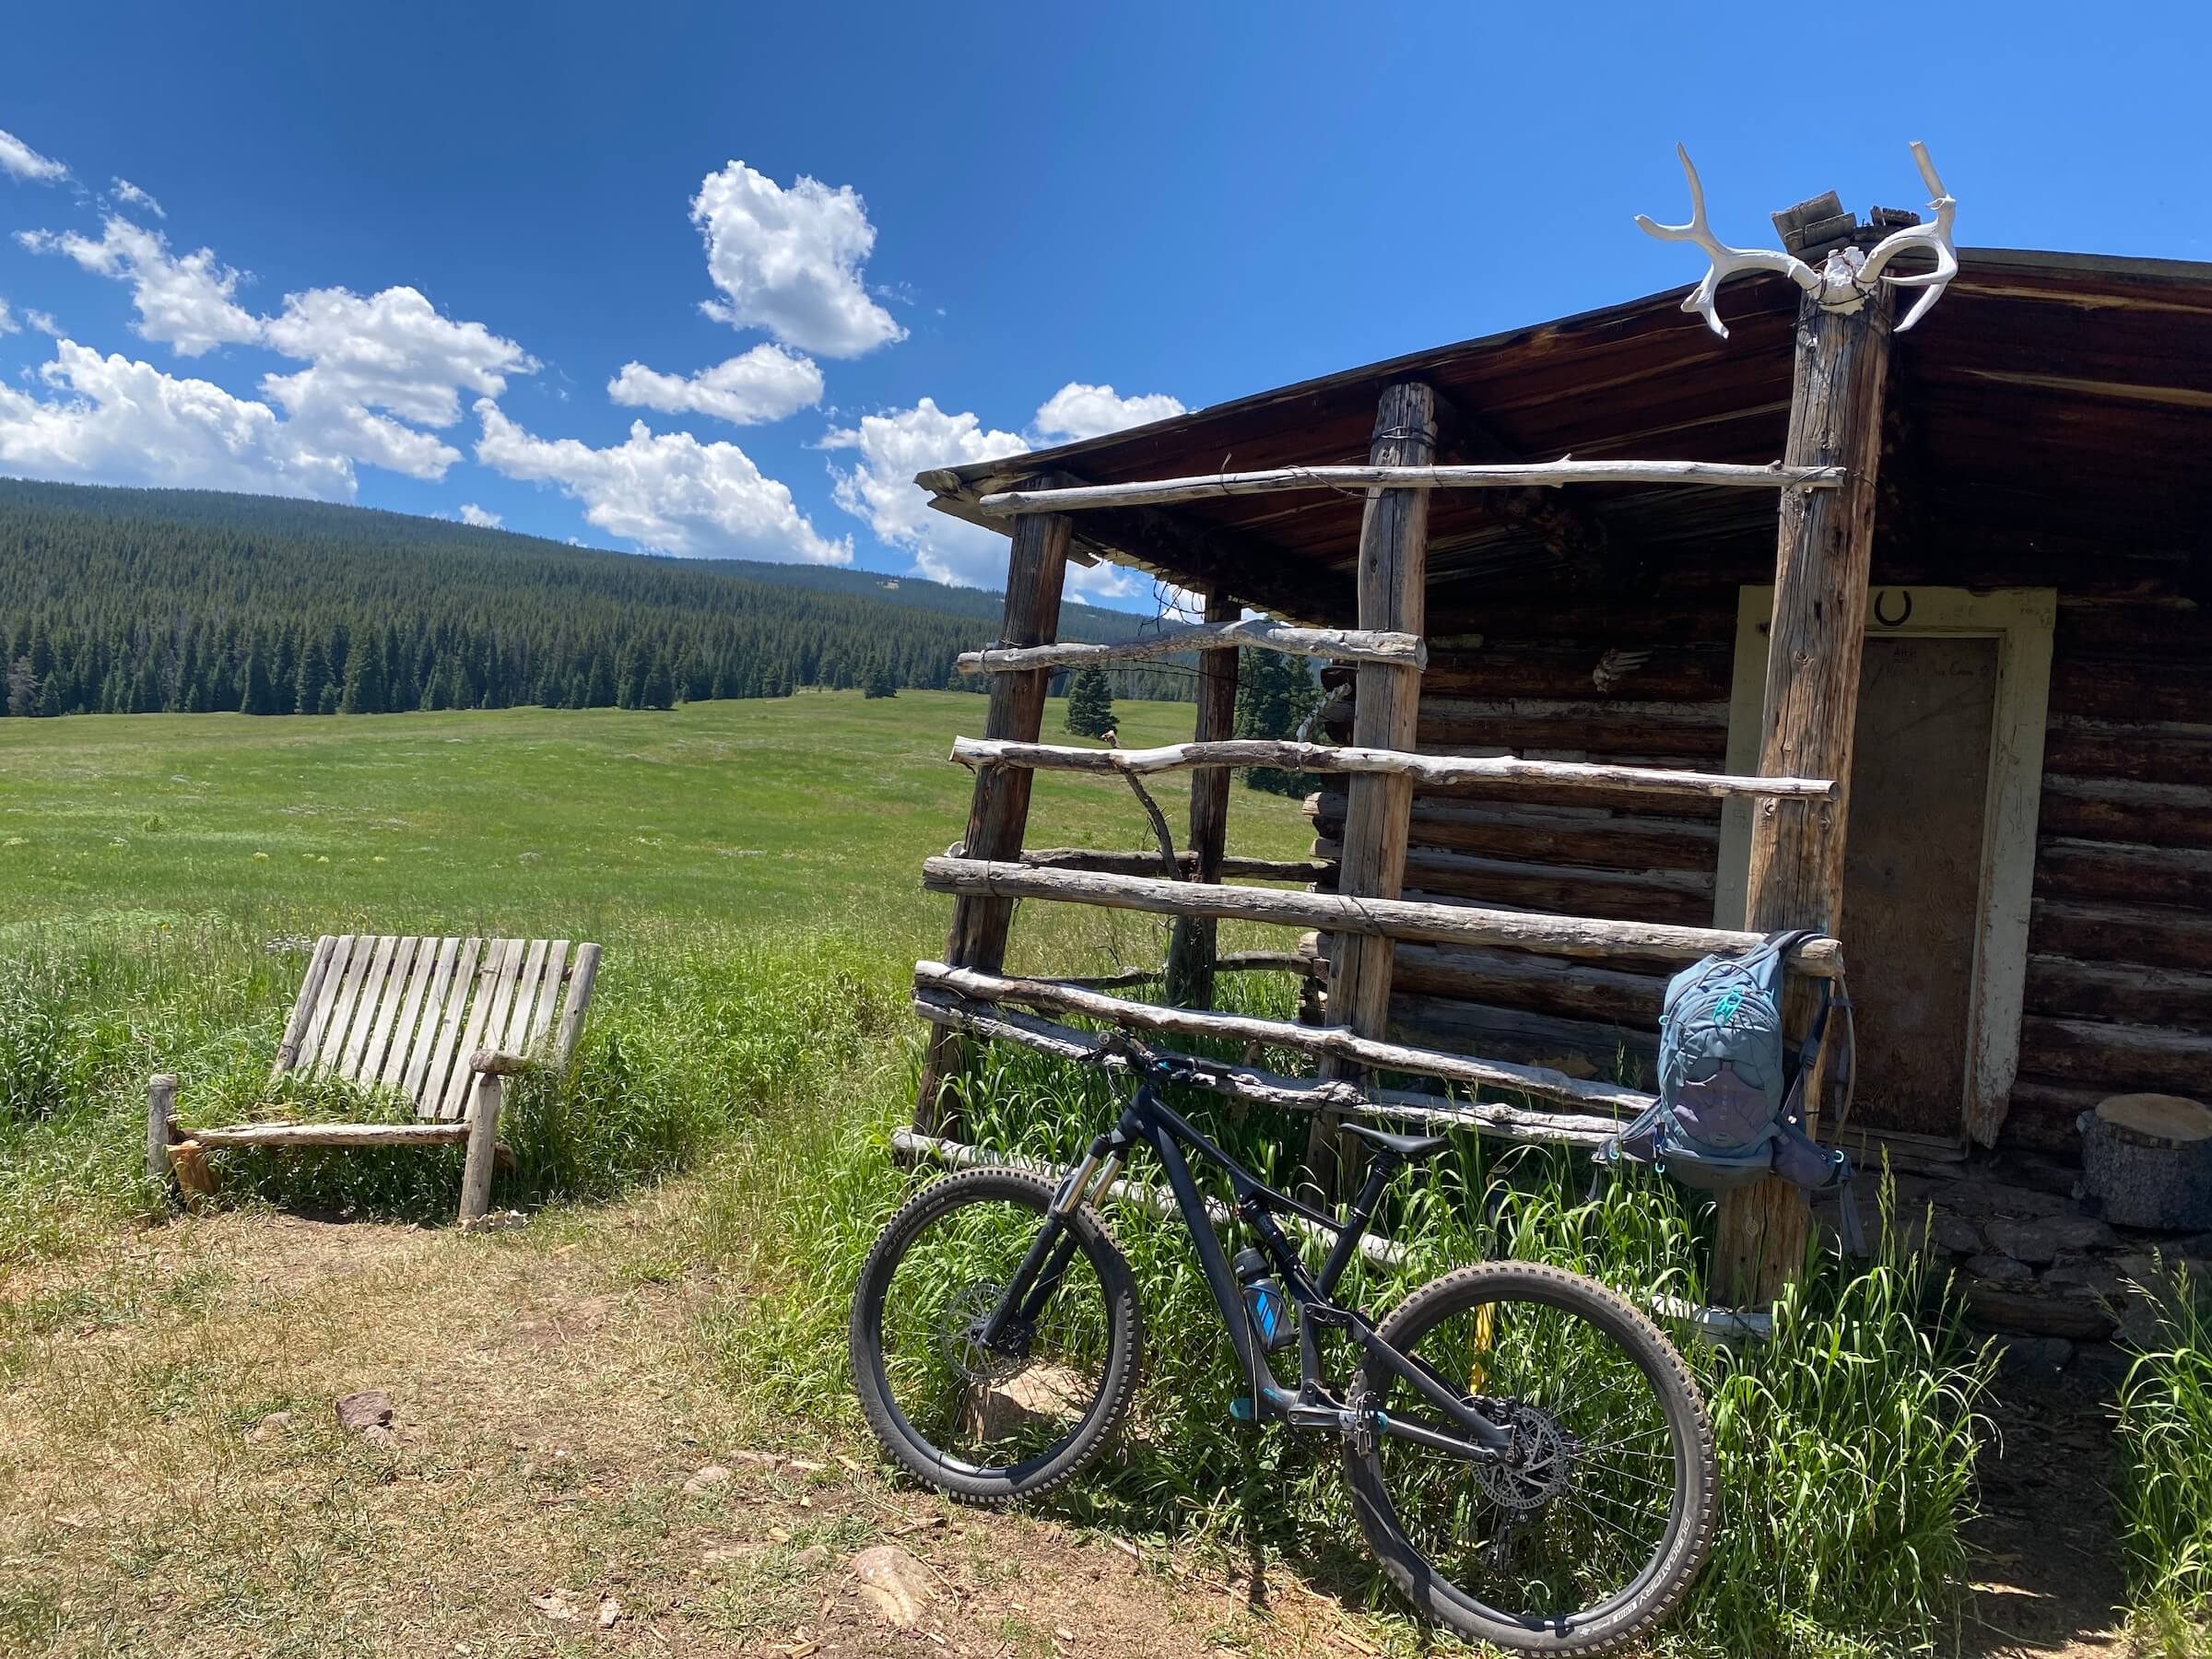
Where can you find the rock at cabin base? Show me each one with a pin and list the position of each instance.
(893, 1583)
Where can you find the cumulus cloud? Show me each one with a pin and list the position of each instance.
(890, 448)
(390, 351)
(18, 159)
(132, 196)
(763, 384)
(483, 518)
(123, 422)
(1077, 411)
(184, 302)
(789, 261)
(669, 493)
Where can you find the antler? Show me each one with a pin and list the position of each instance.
(1726, 260)
(1934, 236)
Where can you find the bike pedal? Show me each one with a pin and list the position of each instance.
(1241, 1409)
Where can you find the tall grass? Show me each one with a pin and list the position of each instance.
(2165, 1487)
(1847, 1442)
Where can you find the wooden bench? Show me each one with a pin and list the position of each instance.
(441, 1022)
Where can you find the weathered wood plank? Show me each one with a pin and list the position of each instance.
(527, 1039)
(2128, 992)
(427, 955)
(583, 974)
(506, 1029)
(333, 1135)
(347, 963)
(2128, 871)
(1710, 474)
(2150, 933)
(1145, 861)
(160, 1112)
(485, 1013)
(425, 1078)
(2116, 1059)
(1192, 944)
(342, 1049)
(990, 753)
(1823, 559)
(302, 1020)
(1338, 1041)
(1217, 632)
(389, 996)
(1382, 918)
(460, 992)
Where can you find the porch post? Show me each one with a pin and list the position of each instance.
(1191, 946)
(1818, 635)
(999, 814)
(1394, 583)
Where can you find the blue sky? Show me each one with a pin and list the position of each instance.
(438, 238)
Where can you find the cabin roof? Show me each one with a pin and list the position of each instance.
(2056, 403)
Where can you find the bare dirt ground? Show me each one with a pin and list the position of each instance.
(565, 1475)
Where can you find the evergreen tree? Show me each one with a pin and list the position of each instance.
(312, 678)
(879, 682)
(1275, 694)
(1090, 703)
(364, 692)
(659, 688)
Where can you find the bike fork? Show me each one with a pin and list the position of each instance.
(1045, 1262)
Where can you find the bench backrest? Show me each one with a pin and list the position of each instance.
(388, 1012)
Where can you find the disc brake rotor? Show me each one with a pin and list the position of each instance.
(960, 1338)
(1537, 1465)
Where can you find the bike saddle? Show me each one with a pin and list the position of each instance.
(1408, 1147)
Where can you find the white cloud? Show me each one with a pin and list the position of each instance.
(44, 322)
(7, 320)
(128, 422)
(789, 261)
(131, 195)
(763, 384)
(483, 518)
(1077, 411)
(186, 303)
(892, 447)
(19, 159)
(389, 352)
(668, 492)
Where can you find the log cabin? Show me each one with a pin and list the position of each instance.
(1996, 648)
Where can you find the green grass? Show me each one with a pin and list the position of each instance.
(2165, 1488)
(752, 869)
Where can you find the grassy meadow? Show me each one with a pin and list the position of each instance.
(700, 1190)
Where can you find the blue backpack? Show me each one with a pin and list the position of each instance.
(1728, 1113)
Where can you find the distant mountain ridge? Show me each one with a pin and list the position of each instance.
(129, 600)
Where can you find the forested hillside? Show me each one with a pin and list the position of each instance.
(129, 601)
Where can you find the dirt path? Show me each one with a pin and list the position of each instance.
(565, 1474)
(2049, 1580)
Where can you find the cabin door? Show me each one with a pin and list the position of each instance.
(1948, 759)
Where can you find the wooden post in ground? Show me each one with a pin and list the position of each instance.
(1815, 644)
(1191, 946)
(999, 813)
(160, 1111)
(1394, 582)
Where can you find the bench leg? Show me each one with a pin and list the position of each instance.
(483, 1148)
(160, 1113)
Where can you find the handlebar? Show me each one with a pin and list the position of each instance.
(1118, 1044)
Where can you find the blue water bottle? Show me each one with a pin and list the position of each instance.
(1273, 1316)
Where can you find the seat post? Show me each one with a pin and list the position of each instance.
(1382, 1169)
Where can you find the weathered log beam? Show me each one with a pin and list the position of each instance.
(1338, 644)
(1431, 769)
(1378, 918)
(333, 1135)
(1718, 474)
(1145, 861)
(1236, 961)
(1338, 1040)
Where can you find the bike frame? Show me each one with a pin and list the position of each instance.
(1149, 1121)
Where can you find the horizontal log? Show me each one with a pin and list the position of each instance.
(1422, 768)
(2115, 1059)
(1313, 1040)
(1449, 871)
(2044, 1115)
(1497, 1120)
(1163, 491)
(1674, 672)
(2066, 867)
(1594, 1050)
(1340, 645)
(1143, 861)
(2121, 932)
(2130, 992)
(2156, 814)
(1596, 839)
(1387, 918)
(1514, 979)
(2160, 751)
(331, 1135)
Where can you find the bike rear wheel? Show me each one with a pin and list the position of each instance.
(986, 1420)
(1586, 1535)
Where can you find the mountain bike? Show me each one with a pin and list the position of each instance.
(1528, 1455)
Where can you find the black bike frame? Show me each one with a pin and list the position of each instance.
(1149, 1121)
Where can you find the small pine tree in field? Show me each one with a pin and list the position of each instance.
(1090, 703)
(1275, 694)
(879, 682)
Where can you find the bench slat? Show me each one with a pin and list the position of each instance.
(326, 996)
(371, 1061)
(303, 1007)
(346, 1062)
(507, 1033)
(548, 995)
(582, 973)
(493, 985)
(457, 990)
(331, 1047)
(426, 1025)
(394, 1066)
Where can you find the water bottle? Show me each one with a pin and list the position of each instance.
(1273, 1316)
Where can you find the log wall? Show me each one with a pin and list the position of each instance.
(2119, 989)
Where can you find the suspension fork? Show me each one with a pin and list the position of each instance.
(1045, 1265)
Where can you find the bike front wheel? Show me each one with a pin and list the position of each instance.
(992, 1417)
(1587, 1531)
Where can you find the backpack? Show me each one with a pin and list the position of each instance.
(1728, 1113)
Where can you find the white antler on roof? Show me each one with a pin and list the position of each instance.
(1726, 260)
(1848, 276)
